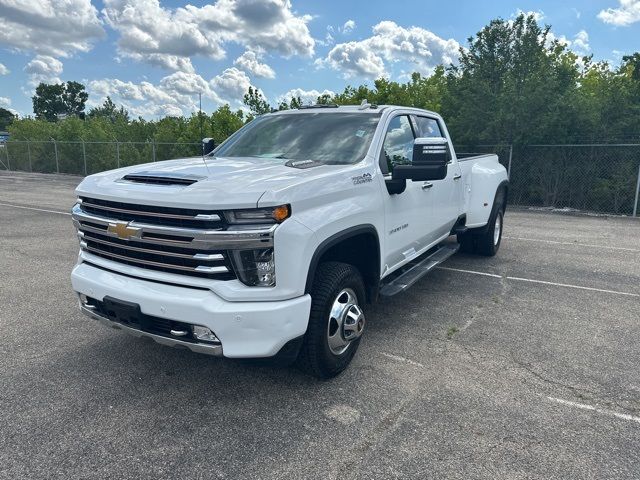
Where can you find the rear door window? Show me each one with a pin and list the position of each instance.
(428, 127)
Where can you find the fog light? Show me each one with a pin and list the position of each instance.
(203, 334)
(83, 299)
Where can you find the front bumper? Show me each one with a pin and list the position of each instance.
(245, 329)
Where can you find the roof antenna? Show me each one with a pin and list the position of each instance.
(364, 105)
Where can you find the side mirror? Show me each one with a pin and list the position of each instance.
(208, 145)
(430, 159)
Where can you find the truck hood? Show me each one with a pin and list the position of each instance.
(219, 182)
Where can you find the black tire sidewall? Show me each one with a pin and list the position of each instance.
(331, 278)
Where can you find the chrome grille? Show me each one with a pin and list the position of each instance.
(173, 217)
(173, 240)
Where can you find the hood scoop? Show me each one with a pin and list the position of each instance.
(162, 178)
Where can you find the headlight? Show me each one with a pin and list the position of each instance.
(259, 215)
(255, 268)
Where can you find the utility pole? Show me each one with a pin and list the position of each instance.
(200, 119)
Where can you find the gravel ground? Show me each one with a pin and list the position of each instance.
(530, 372)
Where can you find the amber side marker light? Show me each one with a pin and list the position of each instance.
(281, 213)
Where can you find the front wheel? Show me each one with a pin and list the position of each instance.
(336, 322)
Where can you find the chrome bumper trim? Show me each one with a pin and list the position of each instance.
(214, 350)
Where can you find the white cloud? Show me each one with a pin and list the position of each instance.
(3, 70)
(174, 95)
(391, 43)
(249, 62)
(49, 27)
(348, 27)
(231, 85)
(5, 102)
(627, 13)
(356, 59)
(141, 99)
(159, 36)
(169, 37)
(307, 96)
(43, 68)
(580, 43)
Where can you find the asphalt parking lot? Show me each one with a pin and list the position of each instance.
(525, 365)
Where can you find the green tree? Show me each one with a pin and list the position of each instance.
(74, 98)
(110, 111)
(256, 102)
(48, 102)
(224, 122)
(6, 118)
(55, 100)
(512, 84)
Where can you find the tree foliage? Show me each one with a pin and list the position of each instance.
(6, 118)
(62, 99)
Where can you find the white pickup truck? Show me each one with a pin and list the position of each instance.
(272, 244)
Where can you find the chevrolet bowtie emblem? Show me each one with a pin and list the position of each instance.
(124, 231)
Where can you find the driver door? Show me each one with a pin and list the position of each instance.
(406, 214)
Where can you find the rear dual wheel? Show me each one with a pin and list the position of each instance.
(486, 242)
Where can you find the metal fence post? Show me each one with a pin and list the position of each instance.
(6, 149)
(510, 157)
(635, 203)
(55, 148)
(84, 155)
(153, 149)
(118, 153)
(29, 155)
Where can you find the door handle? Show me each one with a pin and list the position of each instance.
(426, 185)
(457, 176)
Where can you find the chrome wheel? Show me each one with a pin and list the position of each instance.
(497, 229)
(346, 321)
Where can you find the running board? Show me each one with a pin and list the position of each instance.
(417, 271)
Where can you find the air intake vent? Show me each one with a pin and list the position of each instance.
(162, 178)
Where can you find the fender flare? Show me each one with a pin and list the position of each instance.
(334, 240)
(494, 208)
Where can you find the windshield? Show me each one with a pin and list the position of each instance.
(329, 138)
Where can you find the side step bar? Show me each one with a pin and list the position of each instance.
(417, 271)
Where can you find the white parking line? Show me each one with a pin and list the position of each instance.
(470, 271)
(543, 282)
(518, 279)
(583, 406)
(556, 242)
(33, 208)
(402, 359)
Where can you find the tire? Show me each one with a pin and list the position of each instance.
(337, 288)
(488, 243)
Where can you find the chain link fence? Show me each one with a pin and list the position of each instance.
(597, 178)
(85, 158)
(592, 178)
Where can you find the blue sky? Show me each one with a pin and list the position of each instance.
(153, 57)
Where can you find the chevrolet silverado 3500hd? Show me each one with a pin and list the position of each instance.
(271, 244)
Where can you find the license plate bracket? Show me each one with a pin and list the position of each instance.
(121, 311)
